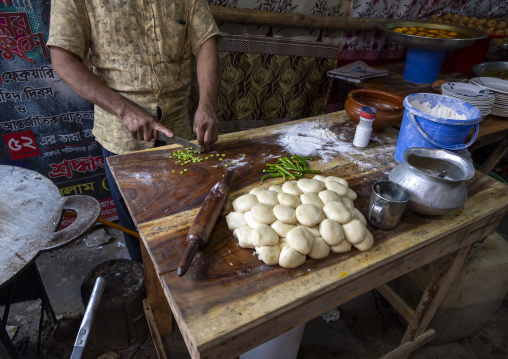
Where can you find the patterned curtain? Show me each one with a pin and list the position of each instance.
(272, 74)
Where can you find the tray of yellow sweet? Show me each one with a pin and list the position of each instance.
(427, 32)
(430, 35)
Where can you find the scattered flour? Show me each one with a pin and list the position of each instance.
(438, 111)
(314, 139)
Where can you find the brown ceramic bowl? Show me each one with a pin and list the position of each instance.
(390, 107)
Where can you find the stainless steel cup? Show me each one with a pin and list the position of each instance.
(387, 204)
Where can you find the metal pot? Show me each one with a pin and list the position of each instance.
(436, 179)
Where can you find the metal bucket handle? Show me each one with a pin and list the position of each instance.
(454, 148)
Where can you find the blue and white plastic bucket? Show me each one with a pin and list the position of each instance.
(420, 129)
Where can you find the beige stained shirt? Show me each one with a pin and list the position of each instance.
(140, 48)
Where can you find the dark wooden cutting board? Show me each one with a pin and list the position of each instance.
(164, 203)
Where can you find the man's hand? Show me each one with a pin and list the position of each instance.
(140, 124)
(86, 84)
(206, 126)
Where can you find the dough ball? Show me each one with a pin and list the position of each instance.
(327, 196)
(366, 244)
(337, 211)
(311, 198)
(310, 185)
(342, 181)
(269, 254)
(245, 236)
(256, 190)
(268, 197)
(276, 188)
(342, 247)
(308, 214)
(291, 188)
(290, 200)
(351, 194)
(359, 215)
(300, 239)
(235, 220)
(340, 189)
(320, 249)
(290, 257)
(354, 231)
(314, 231)
(281, 228)
(348, 203)
(245, 203)
(251, 222)
(319, 178)
(285, 214)
(267, 236)
(331, 231)
(263, 213)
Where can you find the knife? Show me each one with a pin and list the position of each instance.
(205, 221)
(178, 140)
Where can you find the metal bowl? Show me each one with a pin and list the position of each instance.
(481, 69)
(431, 43)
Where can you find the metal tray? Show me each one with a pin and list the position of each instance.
(431, 43)
(480, 69)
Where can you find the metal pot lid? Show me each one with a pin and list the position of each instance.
(439, 164)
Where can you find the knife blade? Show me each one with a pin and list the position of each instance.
(178, 140)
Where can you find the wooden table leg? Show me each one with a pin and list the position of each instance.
(155, 295)
(435, 292)
(7, 342)
(495, 157)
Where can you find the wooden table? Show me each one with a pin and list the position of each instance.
(492, 128)
(230, 302)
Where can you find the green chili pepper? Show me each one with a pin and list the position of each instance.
(271, 175)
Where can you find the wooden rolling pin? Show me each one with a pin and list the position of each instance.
(205, 221)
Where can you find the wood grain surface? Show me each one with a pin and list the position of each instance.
(229, 301)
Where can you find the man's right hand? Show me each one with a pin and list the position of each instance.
(141, 125)
(71, 69)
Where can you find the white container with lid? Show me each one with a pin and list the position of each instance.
(364, 127)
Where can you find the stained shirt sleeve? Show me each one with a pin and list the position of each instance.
(202, 25)
(70, 27)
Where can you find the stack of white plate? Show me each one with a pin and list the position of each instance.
(500, 89)
(478, 96)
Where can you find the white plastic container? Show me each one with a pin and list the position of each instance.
(364, 127)
(284, 346)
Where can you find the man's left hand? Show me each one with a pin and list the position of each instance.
(206, 126)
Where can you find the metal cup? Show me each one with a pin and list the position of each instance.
(387, 204)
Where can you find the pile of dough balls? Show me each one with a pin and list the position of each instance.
(494, 27)
(308, 217)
